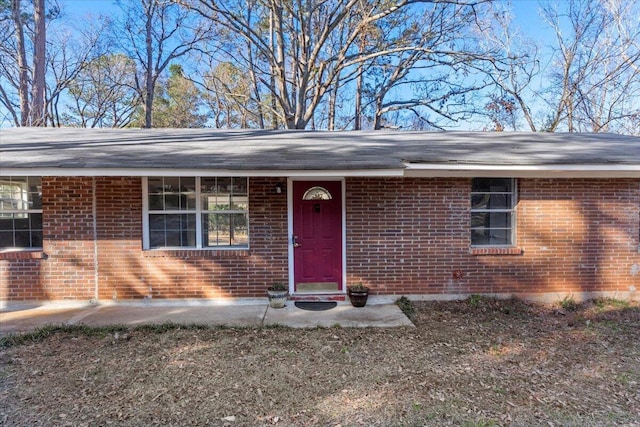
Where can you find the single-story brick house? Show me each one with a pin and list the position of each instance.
(103, 214)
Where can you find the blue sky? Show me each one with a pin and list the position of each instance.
(526, 14)
(526, 11)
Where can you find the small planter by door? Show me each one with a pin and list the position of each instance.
(358, 296)
(277, 298)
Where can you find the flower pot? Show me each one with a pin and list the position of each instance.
(277, 299)
(358, 298)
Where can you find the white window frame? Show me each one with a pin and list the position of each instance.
(198, 212)
(29, 212)
(511, 211)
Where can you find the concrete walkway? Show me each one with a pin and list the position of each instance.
(252, 316)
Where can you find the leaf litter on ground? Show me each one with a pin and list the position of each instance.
(476, 362)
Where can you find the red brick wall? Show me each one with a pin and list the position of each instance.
(128, 272)
(411, 236)
(66, 269)
(404, 236)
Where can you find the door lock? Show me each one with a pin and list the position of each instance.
(294, 241)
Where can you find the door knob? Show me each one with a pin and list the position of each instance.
(295, 243)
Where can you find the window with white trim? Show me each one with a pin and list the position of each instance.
(493, 202)
(194, 212)
(20, 212)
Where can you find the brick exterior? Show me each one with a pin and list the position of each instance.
(411, 236)
(404, 237)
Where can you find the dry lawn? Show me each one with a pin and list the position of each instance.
(478, 362)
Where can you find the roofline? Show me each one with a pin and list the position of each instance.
(522, 171)
(199, 172)
(428, 170)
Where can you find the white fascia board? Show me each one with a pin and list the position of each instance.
(433, 170)
(200, 172)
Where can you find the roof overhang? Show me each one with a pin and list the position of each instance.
(521, 171)
(200, 172)
(212, 152)
(411, 170)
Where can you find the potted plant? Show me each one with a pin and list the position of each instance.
(358, 294)
(278, 294)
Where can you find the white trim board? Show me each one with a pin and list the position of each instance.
(153, 172)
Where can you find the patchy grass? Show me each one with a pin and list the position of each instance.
(490, 363)
(569, 304)
(407, 307)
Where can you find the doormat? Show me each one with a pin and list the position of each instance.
(316, 305)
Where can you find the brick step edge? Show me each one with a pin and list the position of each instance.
(318, 297)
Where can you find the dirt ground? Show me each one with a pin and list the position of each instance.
(479, 362)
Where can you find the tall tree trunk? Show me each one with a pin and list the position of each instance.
(377, 117)
(149, 86)
(272, 80)
(39, 65)
(357, 115)
(331, 120)
(22, 64)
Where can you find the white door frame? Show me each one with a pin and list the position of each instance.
(290, 181)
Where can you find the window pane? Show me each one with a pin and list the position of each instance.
(23, 239)
(21, 222)
(172, 201)
(6, 223)
(36, 239)
(223, 196)
(240, 203)
(208, 185)
(490, 237)
(239, 186)
(155, 185)
(188, 193)
(188, 201)
(209, 231)
(36, 221)
(171, 184)
(173, 238)
(223, 185)
(156, 239)
(317, 193)
(35, 192)
(156, 202)
(6, 239)
(491, 201)
(156, 222)
(172, 230)
(487, 185)
(491, 219)
(239, 235)
(225, 230)
(173, 222)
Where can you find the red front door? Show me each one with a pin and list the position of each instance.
(317, 236)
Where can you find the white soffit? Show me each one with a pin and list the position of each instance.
(521, 171)
(201, 172)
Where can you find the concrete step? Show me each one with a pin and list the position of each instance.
(338, 297)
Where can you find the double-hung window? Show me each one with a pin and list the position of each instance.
(194, 212)
(20, 212)
(493, 202)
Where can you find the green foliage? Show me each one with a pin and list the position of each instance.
(406, 306)
(279, 286)
(47, 331)
(475, 300)
(358, 287)
(603, 303)
(569, 304)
